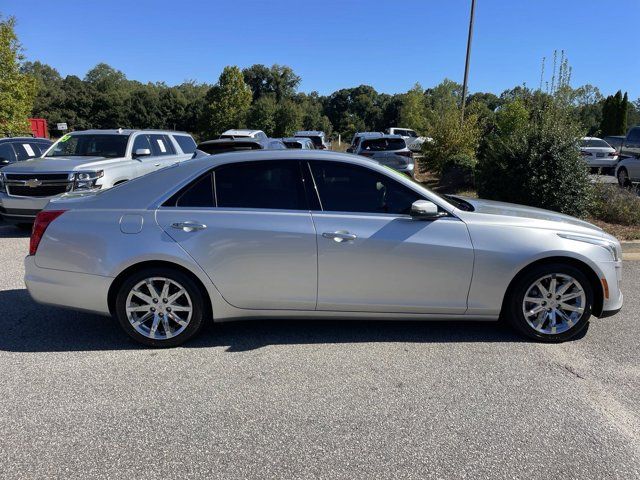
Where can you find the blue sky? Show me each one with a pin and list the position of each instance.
(336, 44)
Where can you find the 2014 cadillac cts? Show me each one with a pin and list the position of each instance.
(310, 234)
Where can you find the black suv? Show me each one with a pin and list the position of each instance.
(17, 149)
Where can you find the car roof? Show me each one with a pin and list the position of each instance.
(590, 138)
(389, 135)
(241, 131)
(303, 133)
(294, 139)
(25, 139)
(123, 131)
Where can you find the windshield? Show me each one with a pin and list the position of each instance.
(107, 146)
(594, 142)
(383, 144)
(317, 141)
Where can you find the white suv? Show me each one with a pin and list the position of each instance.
(414, 142)
(87, 160)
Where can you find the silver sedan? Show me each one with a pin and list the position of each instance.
(308, 234)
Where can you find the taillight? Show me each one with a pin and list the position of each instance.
(613, 154)
(43, 219)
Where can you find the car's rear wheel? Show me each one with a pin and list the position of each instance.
(623, 177)
(160, 307)
(551, 303)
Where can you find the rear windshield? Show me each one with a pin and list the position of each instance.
(317, 141)
(293, 144)
(383, 144)
(594, 143)
(108, 146)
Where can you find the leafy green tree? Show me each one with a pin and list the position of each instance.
(111, 96)
(614, 114)
(288, 119)
(50, 94)
(226, 103)
(17, 89)
(278, 80)
(413, 111)
(262, 114)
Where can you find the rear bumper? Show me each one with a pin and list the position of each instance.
(79, 291)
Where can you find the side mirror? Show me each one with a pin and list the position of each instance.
(425, 210)
(142, 152)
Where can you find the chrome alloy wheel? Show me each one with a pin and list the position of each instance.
(554, 303)
(159, 308)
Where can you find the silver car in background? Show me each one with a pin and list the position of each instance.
(308, 234)
(389, 150)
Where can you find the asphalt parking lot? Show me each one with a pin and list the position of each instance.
(276, 399)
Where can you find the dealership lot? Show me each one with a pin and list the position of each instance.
(312, 399)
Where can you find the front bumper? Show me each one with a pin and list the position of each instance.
(21, 209)
(612, 274)
(80, 291)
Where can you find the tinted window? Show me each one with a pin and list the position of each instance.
(198, 194)
(634, 135)
(25, 151)
(161, 145)
(293, 144)
(383, 144)
(260, 185)
(141, 142)
(317, 141)
(351, 188)
(6, 153)
(187, 144)
(594, 142)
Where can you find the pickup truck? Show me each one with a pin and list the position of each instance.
(87, 160)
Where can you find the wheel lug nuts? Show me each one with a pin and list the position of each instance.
(153, 309)
(164, 300)
(544, 303)
(558, 297)
(161, 314)
(549, 295)
(168, 309)
(155, 300)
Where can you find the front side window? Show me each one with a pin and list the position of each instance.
(100, 145)
(7, 154)
(267, 184)
(351, 188)
(141, 143)
(634, 135)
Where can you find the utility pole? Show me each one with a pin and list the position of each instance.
(466, 64)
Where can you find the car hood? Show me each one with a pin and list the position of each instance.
(59, 164)
(512, 213)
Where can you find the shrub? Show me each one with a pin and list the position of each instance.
(535, 160)
(450, 139)
(613, 204)
(458, 173)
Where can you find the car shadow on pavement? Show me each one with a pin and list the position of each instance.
(13, 231)
(30, 327)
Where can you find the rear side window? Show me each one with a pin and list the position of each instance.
(383, 144)
(161, 145)
(351, 188)
(187, 144)
(275, 185)
(198, 194)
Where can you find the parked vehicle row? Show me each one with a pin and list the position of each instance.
(617, 155)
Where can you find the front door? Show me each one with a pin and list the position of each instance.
(374, 257)
(248, 226)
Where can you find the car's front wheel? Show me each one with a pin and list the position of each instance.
(160, 307)
(551, 303)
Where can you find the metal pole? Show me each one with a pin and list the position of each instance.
(466, 64)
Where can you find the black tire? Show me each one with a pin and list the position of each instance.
(189, 284)
(514, 304)
(623, 177)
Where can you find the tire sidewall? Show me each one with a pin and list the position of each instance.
(516, 316)
(190, 286)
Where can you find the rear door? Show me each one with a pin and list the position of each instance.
(248, 225)
(163, 150)
(374, 257)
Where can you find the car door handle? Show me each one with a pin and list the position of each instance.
(188, 226)
(157, 164)
(340, 236)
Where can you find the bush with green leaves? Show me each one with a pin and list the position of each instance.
(458, 173)
(532, 158)
(613, 204)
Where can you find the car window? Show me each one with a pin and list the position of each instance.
(268, 184)
(594, 142)
(198, 194)
(383, 144)
(161, 145)
(141, 142)
(187, 144)
(352, 188)
(634, 135)
(25, 151)
(89, 145)
(6, 153)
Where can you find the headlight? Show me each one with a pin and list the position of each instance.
(613, 247)
(3, 189)
(86, 180)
